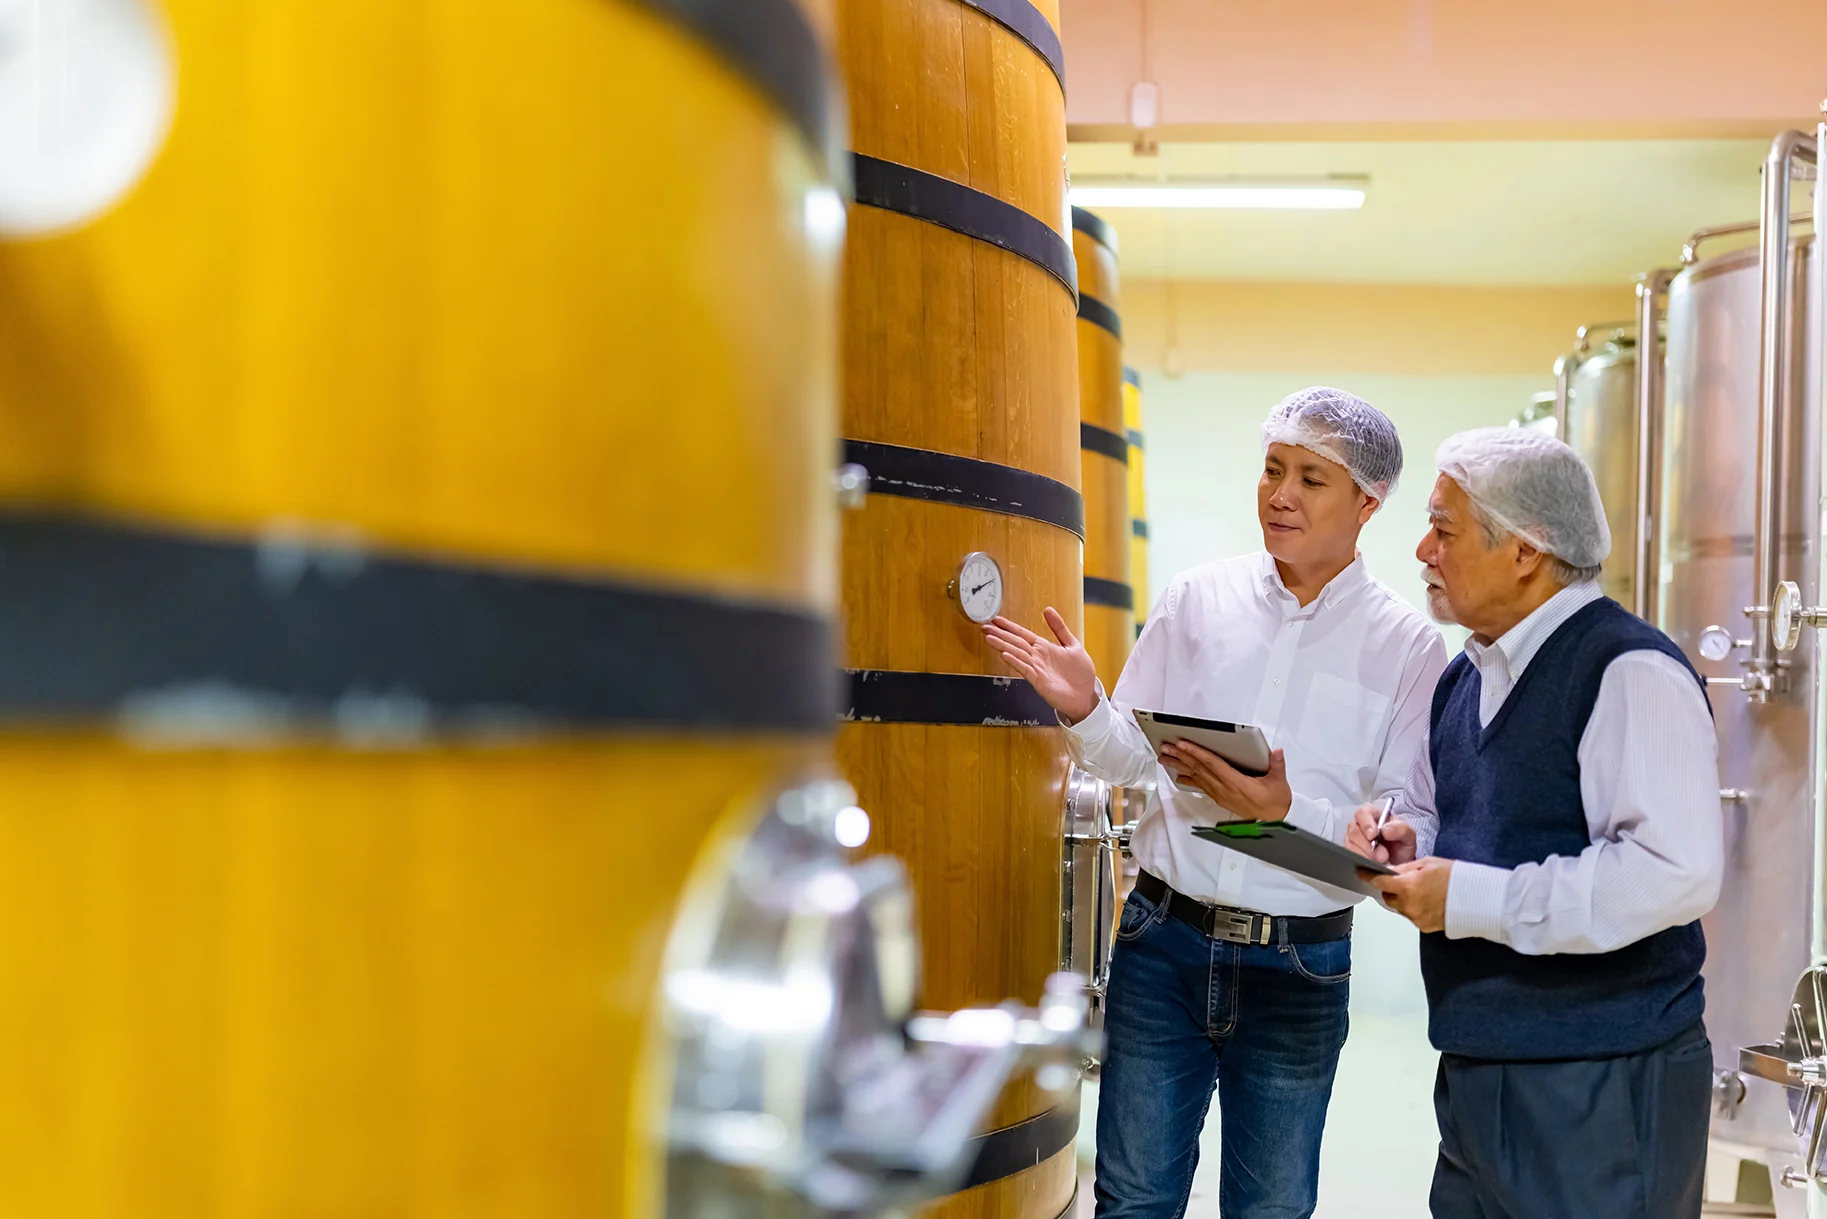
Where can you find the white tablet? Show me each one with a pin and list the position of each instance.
(1242, 745)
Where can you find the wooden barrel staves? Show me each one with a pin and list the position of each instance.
(1103, 447)
(1138, 494)
(959, 396)
(365, 619)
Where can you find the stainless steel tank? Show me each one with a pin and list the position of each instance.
(1602, 428)
(1758, 936)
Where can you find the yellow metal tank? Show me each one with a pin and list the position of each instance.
(415, 503)
(1138, 494)
(1110, 606)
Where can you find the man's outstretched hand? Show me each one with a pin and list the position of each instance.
(1061, 673)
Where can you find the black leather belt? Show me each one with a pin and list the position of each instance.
(1244, 926)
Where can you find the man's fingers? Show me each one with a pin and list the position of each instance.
(1060, 630)
(1023, 668)
(1015, 628)
(1006, 641)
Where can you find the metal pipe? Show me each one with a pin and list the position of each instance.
(1817, 316)
(1563, 372)
(1646, 572)
(1785, 151)
(1690, 253)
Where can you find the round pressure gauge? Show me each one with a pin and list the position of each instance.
(978, 587)
(1716, 643)
(1786, 616)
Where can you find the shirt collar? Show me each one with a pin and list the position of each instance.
(1517, 646)
(1353, 577)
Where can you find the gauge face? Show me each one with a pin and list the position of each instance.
(979, 587)
(1715, 643)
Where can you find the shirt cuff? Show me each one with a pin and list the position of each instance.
(1475, 901)
(1096, 725)
(1314, 816)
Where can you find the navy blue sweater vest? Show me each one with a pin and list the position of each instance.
(1509, 794)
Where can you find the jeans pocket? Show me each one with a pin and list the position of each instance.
(1327, 962)
(1138, 916)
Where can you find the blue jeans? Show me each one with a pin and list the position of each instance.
(1263, 1025)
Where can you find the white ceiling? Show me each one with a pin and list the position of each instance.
(1494, 213)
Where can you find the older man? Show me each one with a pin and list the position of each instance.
(1558, 840)
(1230, 974)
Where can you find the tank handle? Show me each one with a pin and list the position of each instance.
(1690, 253)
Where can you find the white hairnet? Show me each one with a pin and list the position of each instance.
(1534, 486)
(1340, 427)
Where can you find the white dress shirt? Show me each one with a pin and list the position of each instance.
(1343, 685)
(1649, 781)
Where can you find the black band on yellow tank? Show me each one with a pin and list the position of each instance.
(1111, 444)
(1003, 1153)
(1025, 22)
(1099, 314)
(894, 187)
(946, 478)
(1095, 227)
(895, 696)
(772, 44)
(204, 637)
(1112, 594)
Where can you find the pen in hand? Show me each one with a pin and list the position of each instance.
(1389, 802)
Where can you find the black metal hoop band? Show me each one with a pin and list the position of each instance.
(204, 637)
(1095, 227)
(772, 44)
(1131, 376)
(948, 479)
(1111, 594)
(1003, 1153)
(1099, 314)
(1136, 440)
(895, 696)
(1094, 439)
(1138, 527)
(894, 187)
(1025, 22)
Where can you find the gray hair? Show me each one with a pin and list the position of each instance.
(1560, 570)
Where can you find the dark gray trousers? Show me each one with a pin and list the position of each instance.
(1623, 1138)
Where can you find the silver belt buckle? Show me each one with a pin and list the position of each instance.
(1232, 927)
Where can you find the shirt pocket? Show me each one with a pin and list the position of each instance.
(1343, 722)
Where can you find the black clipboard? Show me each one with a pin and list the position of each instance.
(1295, 850)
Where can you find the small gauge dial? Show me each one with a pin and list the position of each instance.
(978, 587)
(1716, 643)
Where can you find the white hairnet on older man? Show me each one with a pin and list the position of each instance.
(1533, 486)
(1343, 428)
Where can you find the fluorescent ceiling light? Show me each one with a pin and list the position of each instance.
(1343, 195)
